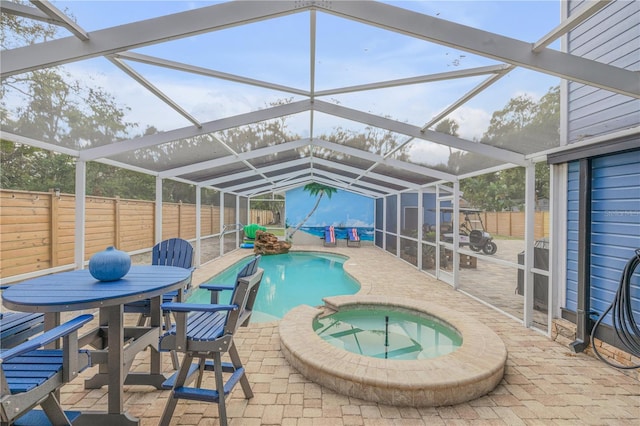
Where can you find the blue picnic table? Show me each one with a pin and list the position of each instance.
(78, 290)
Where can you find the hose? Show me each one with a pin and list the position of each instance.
(624, 323)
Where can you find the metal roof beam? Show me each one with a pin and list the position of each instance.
(416, 132)
(487, 44)
(190, 131)
(372, 175)
(337, 177)
(142, 33)
(389, 162)
(584, 12)
(29, 12)
(38, 144)
(57, 15)
(319, 179)
(457, 104)
(429, 78)
(350, 188)
(257, 170)
(153, 89)
(467, 96)
(234, 158)
(179, 66)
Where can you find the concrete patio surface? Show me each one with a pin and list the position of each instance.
(545, 383)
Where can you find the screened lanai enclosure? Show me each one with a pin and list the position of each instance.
(426, 107)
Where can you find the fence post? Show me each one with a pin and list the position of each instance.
(116, 224)
(53, 243)
(180, 218)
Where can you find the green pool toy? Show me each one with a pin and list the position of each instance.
(250, 230)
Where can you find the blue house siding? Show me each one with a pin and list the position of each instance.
(573, 196)
(612, 36)
(615, 227)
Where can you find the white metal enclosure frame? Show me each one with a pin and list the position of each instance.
(310, 156)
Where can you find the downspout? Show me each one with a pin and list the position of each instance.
(583, 322)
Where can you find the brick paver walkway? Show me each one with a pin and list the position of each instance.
(545, 382)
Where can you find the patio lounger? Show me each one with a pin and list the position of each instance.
(353, 239)
(32, 375)
(203, 332)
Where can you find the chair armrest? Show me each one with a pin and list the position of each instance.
(212, 287)
(46, 337)
(200, 307)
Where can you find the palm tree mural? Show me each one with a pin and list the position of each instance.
(314, 189)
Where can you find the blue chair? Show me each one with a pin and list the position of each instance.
(32, 376)
(204, 332)
(18, 327)
(171, 252)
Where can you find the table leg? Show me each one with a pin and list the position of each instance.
(52, 320)
(156, 321)
(114, 317)
(115, 357)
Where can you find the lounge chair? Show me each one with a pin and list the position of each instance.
(329, 236)
(353, 239)
(32, 376)
(205, 332)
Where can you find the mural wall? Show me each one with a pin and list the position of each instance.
(343, 210)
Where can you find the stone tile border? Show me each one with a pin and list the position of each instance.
(472, 371)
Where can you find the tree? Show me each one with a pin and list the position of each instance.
(272, 202)
(52, 106)
(314, 189)
(523, 126)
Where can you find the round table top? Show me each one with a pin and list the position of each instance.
(76, 290)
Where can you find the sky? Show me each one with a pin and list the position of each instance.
(347, 53)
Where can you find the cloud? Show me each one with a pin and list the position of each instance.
(473, 122)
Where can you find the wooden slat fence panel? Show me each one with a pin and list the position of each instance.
(66, 230)
(100, 217)
(37, 229)
(187, 221)
(26, 232)
(170, 220)
(136, 225)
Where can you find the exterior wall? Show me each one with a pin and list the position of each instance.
(611, 36)
(615, 227)
(573, 196)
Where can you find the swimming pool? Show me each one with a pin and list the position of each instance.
(292, 279)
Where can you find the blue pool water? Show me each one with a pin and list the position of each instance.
(380, 333)
(289, 280)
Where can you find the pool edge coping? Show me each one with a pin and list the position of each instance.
(467, 373)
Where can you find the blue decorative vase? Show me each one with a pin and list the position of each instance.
(109, 265)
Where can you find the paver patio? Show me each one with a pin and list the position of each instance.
(545, 383)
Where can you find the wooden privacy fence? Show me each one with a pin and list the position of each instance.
(511, 224)
(38, 228)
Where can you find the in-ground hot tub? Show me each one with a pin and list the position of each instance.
(463, 374)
